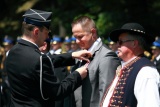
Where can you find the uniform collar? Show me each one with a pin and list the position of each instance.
(28, 43)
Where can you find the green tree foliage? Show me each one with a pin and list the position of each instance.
(108, 14)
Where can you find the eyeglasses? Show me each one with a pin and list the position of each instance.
(120, 42)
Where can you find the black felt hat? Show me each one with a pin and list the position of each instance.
(133, 28)
(38, 17)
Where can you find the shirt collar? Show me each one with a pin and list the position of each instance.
(124, 63)
(94, 44)
(158, 57)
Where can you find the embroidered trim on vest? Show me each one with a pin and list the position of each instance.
(119, 90)
(116, 99)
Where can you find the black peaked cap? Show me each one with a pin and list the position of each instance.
(38, 17)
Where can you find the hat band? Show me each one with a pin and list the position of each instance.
(140, 31)
(34, 22)
(7, 41)
(156, 44)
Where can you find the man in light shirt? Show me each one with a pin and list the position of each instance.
(103, 64)
(137, 80)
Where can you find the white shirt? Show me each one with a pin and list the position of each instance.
(94, 44)
(158, 57)
(58, 51)
(92, 47)
(145, 88)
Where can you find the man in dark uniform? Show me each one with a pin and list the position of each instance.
(67, 44)
(156, 53)
(56, 45)
(8, 43)
(31, 74)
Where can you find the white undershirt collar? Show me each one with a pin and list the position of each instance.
(124, 63)
(94, 44)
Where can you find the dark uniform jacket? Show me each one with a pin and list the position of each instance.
(23, 67)
(157, 63)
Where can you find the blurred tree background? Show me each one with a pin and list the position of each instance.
(108, 14)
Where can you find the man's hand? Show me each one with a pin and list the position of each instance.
(82, 55)
(82, 71)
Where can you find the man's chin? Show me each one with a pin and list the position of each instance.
(83, 48)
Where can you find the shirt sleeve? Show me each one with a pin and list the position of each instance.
(146, 87)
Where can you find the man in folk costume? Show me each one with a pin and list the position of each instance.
(137, 80)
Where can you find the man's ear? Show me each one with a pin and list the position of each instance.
(135, 43)
(35, 31)
(93, 31)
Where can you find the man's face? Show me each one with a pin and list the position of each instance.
(84, 38)
(8, 47)
(113, 46)
(156, 52)
(125, 46)
(74, 46)
(42, 36)
(56, 46)
(67, 46)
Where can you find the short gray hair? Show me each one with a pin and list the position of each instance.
(86, 22)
